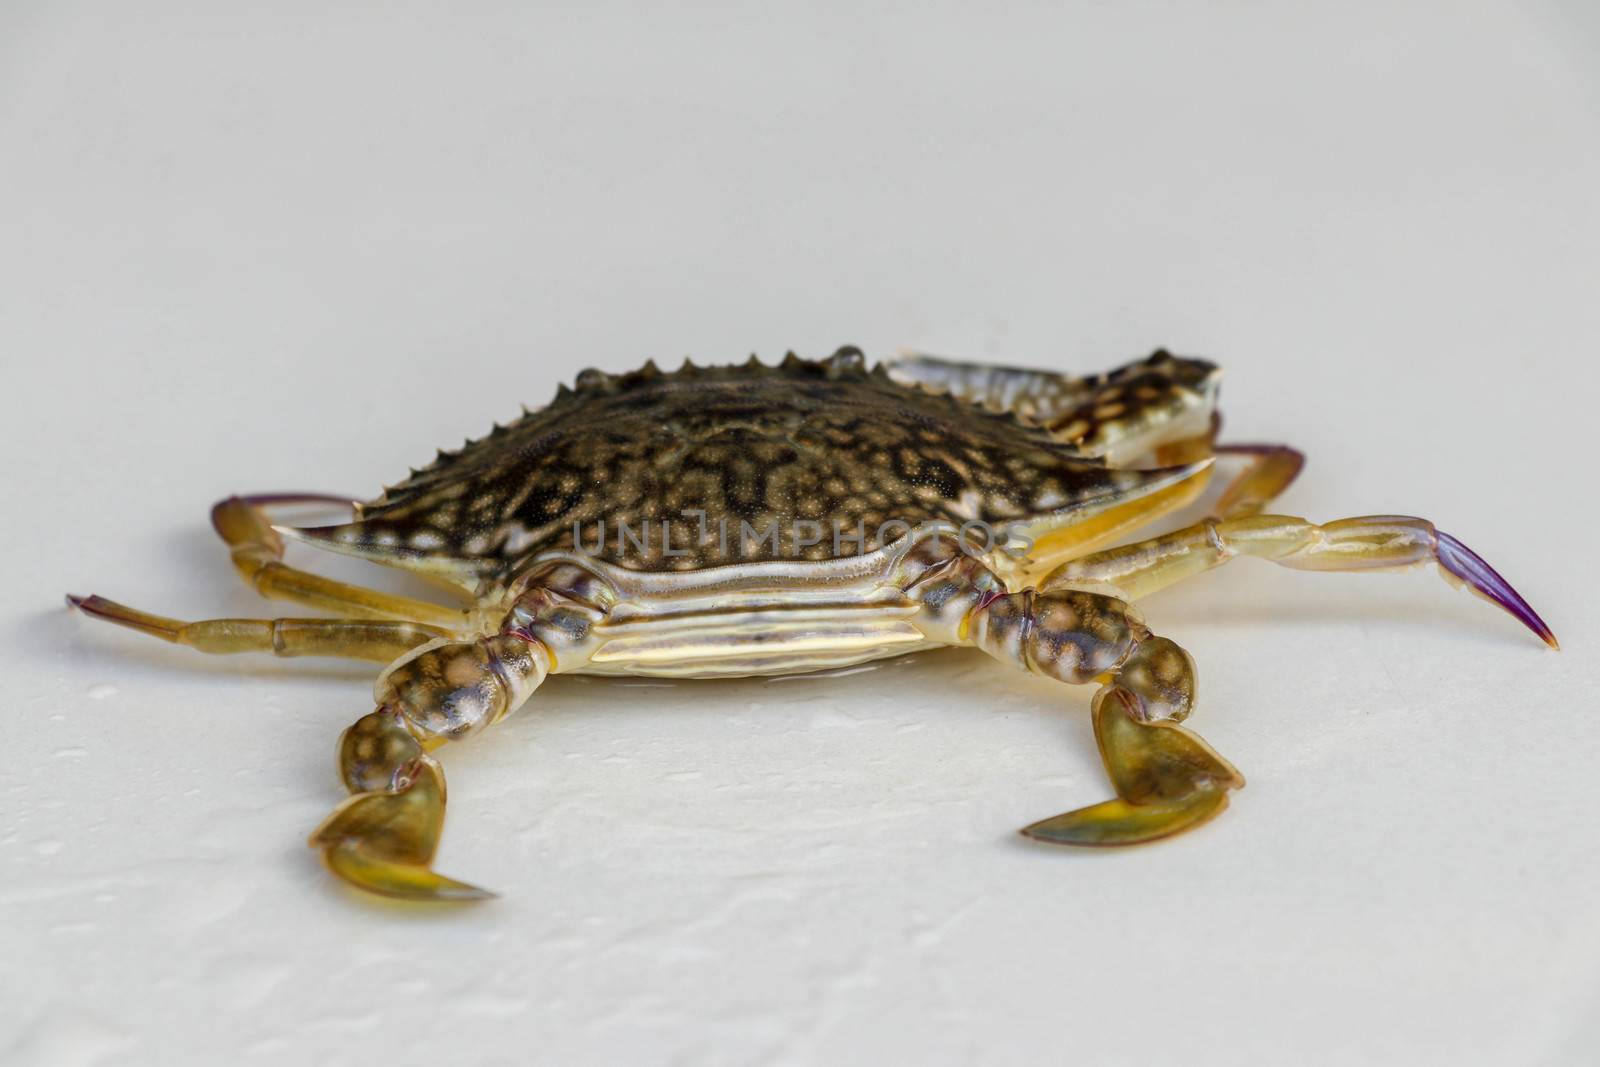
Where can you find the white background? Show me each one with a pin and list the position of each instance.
(288, 248)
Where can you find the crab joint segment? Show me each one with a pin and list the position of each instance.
(383, 838)
(1166, 778)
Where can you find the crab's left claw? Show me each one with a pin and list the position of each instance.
(383, 838)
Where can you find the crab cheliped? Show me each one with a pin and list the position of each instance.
(759, 520)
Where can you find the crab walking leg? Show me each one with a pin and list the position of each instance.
(380, 640)
(383, 838)
(1272, 469)
(257, 551)
(1167, 779)
(1373, 542)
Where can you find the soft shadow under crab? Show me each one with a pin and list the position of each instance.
(1072, 465)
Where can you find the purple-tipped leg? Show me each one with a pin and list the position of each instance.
(1484, 580)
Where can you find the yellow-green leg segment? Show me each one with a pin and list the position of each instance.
(383, 838)
(1070, 627)
(257, 552)
(1166, 779)
(1271, 469)
(441, 688)
(380, 640)
(1372, 542)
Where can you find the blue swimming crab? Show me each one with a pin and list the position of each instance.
(761, 520)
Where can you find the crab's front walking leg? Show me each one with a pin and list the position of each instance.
(1372, 542)
(383, 838)
(1166, 778)
(256, 548)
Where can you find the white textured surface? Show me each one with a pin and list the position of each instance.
(260, 252)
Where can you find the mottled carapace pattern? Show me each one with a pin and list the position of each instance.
(773, 457)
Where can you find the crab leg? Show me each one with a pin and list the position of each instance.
(257, 551)
(1272, 469)
(1166, 778)
(1374, 542)
(382, 839)
(369, 639)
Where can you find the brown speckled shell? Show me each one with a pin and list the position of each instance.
(826, 442)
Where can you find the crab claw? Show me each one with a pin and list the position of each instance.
(384, 841)
(1466, 565)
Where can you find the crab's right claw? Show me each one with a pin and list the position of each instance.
(1167, 780)
(384, 841)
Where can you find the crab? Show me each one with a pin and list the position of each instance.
(763, 520)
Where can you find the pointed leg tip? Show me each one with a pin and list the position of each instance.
(1045, 834)
(93, 605)
(441, 889)
(1463, 563)
(1117, 823)
(98, 607)
(445, 891)
(1076, 837)
(464, 892)
(1070, 828)
(396, 879)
